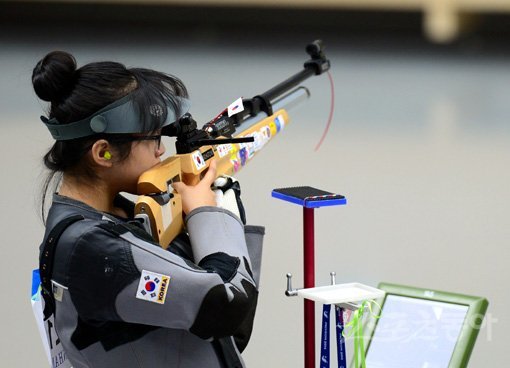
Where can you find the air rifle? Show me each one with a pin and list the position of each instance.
(231, 140)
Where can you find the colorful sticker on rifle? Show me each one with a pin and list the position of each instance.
(265, 133)
(272, 127)
(243, 155)
(260, 141)
(233, 158)
(153, 287)
(250, 147)
(280, 122)
(224, 149)
(235, 107)
(239, 159)
(235, 163)
(198, 160)
(264, 136)
(256, 145)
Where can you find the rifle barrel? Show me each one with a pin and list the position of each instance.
(287, 84)
(291, 99)
(286, 102)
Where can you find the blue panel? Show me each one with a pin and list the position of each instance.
(325, 202)
(309, 203)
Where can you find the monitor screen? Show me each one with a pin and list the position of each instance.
(422, 328)
(415, 333)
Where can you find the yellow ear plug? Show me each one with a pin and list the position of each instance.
(107, 155)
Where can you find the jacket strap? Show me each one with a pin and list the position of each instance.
(47, 259)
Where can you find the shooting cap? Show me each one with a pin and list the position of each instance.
(119, 117)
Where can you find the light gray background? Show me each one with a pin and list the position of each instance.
(419, 144)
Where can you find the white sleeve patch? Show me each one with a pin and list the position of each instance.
(153, 287)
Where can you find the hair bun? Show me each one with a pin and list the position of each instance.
(54, 76)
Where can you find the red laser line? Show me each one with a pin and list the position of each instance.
(331, 111)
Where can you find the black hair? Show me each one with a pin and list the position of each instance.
(77, 93)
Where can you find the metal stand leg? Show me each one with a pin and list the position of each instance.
(309, 282)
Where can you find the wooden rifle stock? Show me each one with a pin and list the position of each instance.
(160, 207)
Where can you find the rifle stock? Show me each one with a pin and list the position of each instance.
(160, 206)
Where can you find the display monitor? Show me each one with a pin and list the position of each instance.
(421, 328)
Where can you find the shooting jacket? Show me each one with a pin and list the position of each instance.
(123, 301)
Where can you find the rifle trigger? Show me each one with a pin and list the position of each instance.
(162, 198)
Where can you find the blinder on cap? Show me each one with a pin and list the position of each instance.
(120, 117)
(98, 124)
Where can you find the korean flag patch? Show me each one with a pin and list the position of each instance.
(153, 287)
(198, 160)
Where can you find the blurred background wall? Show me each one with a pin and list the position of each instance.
(419, 142)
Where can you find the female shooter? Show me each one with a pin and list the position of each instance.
(117, 299)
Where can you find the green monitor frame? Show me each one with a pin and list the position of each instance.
(476, 308)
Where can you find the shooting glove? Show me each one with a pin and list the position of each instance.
(228, 196)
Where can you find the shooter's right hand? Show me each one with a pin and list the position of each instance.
(199, 195)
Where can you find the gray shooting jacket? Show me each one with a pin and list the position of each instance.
(123, 301)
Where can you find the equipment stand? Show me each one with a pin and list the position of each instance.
(309, 198)
(309, 282)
